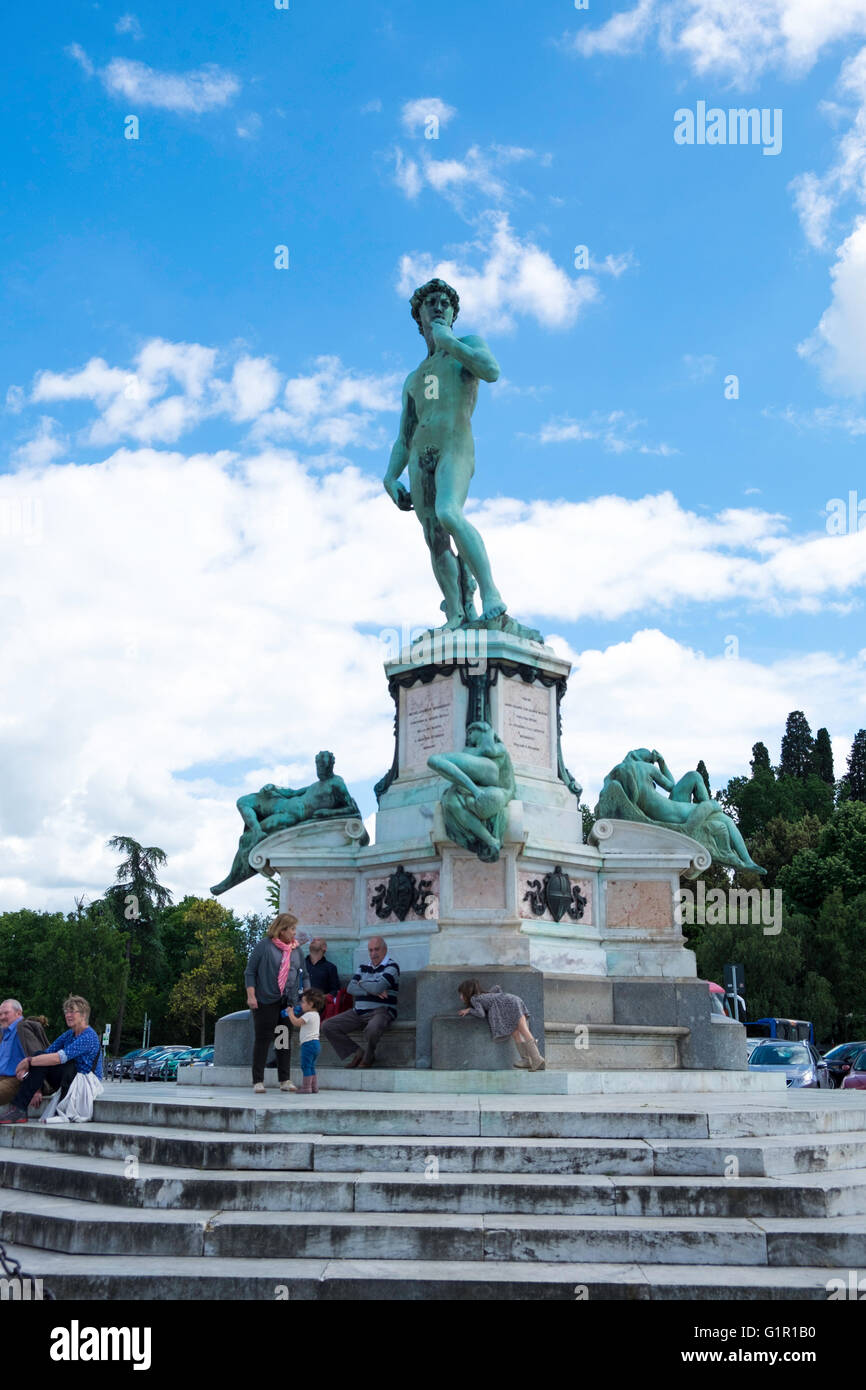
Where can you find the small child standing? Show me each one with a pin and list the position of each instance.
(306, 1017)
(507, 1016)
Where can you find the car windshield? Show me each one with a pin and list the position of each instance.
(844, 1051)
(776, 1054)
(858, 1063)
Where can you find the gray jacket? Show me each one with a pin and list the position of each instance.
(263, 968)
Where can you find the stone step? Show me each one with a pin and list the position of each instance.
(159, 1188)
(238, 1113)
(763, 1157)
(92, 1229)
(110, 1278)
(589, 1081)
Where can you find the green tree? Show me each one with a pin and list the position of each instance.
(212, 965)
(854, 782)
(760, 761)
(798, 746)
(136, 899)
(45, 956)
(702, 769)
(822, 761)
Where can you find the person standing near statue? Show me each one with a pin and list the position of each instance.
(273, 972)
(435, 443)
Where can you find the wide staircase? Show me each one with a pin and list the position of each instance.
(170, 1194)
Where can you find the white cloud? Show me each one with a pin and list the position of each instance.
(204, 89)
(616, 432)
(838, 345)
(479, 172)
(76, 52)
(696, 704)
(249, 127)
(515, 278)
(700, 366)
(178, 602)
(15, 398)
(416, 114)
(827, 417)
(371, 107)
(43, 447)
(407, 175)
(332, 406)
(738, 39)
(128, 24)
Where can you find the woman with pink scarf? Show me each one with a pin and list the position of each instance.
(273, 975)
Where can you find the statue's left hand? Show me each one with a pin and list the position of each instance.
(399, 494)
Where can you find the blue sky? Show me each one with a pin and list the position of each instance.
(185, 424)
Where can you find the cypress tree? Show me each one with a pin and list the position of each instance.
(702, 769)
(760, 759)
(854, 781)
(823, 758)
(798, 746)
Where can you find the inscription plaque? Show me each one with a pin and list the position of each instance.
(428, 723)
(527, 723)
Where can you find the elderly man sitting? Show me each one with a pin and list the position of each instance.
(22, 1037)
(374, 988)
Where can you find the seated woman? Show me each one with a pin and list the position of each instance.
(75, 1051)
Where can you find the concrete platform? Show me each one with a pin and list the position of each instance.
(514, 1082)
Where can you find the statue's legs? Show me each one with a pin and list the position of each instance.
(453, 476)
(247, 807)
(240, 870)
(690, 787)
(468, 770)
(422, 481)
(470, 822)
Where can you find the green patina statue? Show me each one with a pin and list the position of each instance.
(629, 793)
(436, 443)
(475, 806)
(277, 808)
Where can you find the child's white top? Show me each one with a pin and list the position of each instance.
(309, 1029)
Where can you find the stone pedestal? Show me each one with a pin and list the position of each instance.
(549, 906)
(437, 1003)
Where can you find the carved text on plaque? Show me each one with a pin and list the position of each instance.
(427, 722)
(527, 723)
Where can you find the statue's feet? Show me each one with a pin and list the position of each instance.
(493, 608)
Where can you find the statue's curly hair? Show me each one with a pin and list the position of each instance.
(421, 294)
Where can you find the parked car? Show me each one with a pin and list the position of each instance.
(801, 1062)
(839, 1060)
(751, 1044)
(146, 1066)
(856, 1077)
(197, 1056)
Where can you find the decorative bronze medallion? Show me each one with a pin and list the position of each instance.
(556, 894)
(401, 895)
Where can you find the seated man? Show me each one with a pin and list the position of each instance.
(76, 1050)
(374, 988)
(22, 1037)
(321, 972)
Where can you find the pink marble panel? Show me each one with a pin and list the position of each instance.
(322, 902)
(639, 903)
(374, 882)
(527, 876)
(478, 885)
